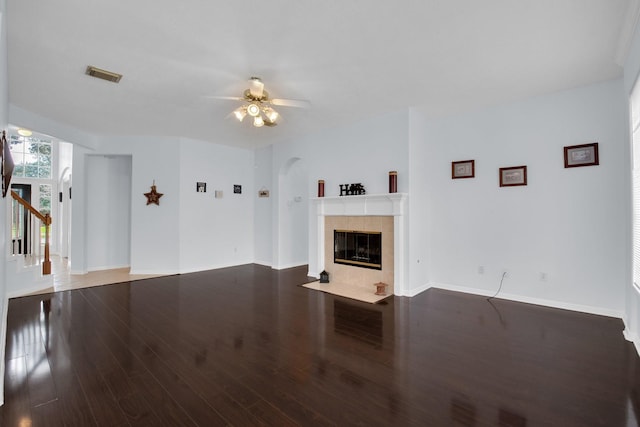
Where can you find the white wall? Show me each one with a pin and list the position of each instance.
(632, 307)
(77, 253)
(44, 125)
(154, 242)
(570, 224)
(263, 241)
(155, 235)
(419, 252)
(215, 232)
(108, 180)
(187, 231)
(363, 152)
(63, 214)
(293, 214)
(4, 121)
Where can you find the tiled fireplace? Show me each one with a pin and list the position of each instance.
(384, 214)
(354, 275)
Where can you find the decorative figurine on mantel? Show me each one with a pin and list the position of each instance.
(352, 189)
(153, 196)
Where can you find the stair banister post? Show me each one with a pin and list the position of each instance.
(46, 264)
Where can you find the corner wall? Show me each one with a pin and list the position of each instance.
(108, 212)
(419, 252)
(188, 231)
(154, 242)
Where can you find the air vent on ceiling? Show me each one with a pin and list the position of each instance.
(103, 74)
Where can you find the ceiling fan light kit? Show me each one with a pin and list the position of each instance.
(240, 113)
(259, 106)
(253, 110)
(262, 114)
(271, 114)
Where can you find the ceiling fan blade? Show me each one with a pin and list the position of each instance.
(300, 103)
(256, 87)
(228, 98)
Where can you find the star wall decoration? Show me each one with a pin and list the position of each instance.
(153, 196)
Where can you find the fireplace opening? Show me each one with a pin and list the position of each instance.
(358, 248)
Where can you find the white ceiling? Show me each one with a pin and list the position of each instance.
(351, 59)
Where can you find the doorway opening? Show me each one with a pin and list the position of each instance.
(20, 224)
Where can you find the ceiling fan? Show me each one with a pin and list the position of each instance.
(259, 105)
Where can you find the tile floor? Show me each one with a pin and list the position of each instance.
(359, 293)
(63, 280)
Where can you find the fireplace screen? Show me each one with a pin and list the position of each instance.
(358, 248)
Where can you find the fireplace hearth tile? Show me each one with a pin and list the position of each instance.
(356, 292)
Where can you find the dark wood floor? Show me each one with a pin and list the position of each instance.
(247, 346)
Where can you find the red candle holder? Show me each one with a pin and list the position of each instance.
(393, 182)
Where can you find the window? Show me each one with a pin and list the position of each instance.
(635, 150)
(32, 157)
(45, 199)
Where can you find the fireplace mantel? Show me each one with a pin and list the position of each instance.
(393, 204)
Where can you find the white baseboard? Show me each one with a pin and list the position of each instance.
(530, 300)
(630, 336)
(108, 267)
(202, 268)
(416, 291)
(285, 266)
(264, 263)
(205, 268)
(155, 272)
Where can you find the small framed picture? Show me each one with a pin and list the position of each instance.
(263, 193)
(581, 155)
(201, 187)
(512, 176)
(237, 189)
(463, 169)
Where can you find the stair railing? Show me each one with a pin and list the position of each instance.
(35, 234)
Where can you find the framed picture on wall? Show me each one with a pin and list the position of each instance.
(581, 155)
(463, 169)
(513, 176)
(237, 189)
(201, 187)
